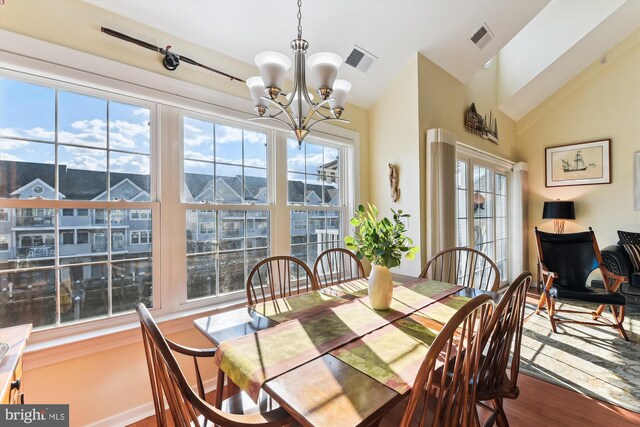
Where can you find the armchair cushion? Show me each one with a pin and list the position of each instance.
(631, 243)
(594, 295)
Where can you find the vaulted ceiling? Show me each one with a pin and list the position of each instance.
(394, 30)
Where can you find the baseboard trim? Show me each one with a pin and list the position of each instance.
(139, 413)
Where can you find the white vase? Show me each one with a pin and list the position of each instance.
(380, 287)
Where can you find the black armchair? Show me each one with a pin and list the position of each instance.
(617, 261)
(566, 260)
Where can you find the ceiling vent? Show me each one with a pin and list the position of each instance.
(360, 59)
(482, 36)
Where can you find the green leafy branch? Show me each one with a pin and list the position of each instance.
(381, 241)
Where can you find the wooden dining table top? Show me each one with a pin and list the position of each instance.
(324, 391)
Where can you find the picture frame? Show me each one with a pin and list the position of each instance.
(583, 163)
(636, 181)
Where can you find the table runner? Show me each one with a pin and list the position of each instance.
(251, 360)
(297, 306)
(392, 355)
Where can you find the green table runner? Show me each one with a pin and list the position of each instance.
(392, 355)
(251, 360)
(297, 306)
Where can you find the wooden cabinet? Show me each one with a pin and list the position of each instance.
(11, 387)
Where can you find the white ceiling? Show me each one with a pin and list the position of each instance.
(393, 30)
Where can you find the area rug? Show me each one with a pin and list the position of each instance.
(590, 360)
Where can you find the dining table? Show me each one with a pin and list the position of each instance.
(326, 356)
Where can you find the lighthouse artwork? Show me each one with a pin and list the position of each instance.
(578, 164)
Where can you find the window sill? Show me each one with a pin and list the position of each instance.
(49, 352)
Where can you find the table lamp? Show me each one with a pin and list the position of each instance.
(558, 211)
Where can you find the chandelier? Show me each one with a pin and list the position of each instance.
(297, 110)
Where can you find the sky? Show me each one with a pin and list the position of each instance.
(29, 111)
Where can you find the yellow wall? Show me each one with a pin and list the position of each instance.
(110, 382)
(421, 97)
(602, 102)
(394, 138)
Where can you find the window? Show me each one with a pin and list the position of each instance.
(4, 243)
(81, 227)
(315, 191)
(482, 209)
(207, 228)
(61, 143)
(140, 237)
(139, 215)
(67, 237)
(225, 166)
(83, 237)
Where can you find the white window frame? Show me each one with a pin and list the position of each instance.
(475, 157)
(22, 56)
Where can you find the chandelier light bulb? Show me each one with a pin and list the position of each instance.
(324, 70)
(256, 89)
(273, 67)
(338, 100)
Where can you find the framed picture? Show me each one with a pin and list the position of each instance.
(584, 163)
(636, 180)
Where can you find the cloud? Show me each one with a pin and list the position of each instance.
(141, 112)
(258, 163)
(10, 157)
(83, 158)
(130, 163)
(11, 144)
(89, 132)
(227, 134)
(255, 137)
(195, 155)
(127, 135)
(194, 136)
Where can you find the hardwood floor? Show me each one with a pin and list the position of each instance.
(548, 405)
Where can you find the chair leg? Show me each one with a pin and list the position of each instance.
(552, 314)
(596, 314)
(502, 416)
(619, 318)
(541, 303)
(219, 397)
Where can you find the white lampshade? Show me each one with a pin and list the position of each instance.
(338, 98)
(324, 68)
(273, 66)
(256, 88)
(294, 105)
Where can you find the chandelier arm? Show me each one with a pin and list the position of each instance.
(275, 119)
(282, 109)
(315, 109)
(333, 119)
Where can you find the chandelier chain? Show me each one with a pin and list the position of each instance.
(299, 19)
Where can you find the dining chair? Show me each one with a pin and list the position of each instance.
(186, 408)
(463, 266)
(447, 400)
(497, 380)
(335, 266)
(566, 261)
(279, 276)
